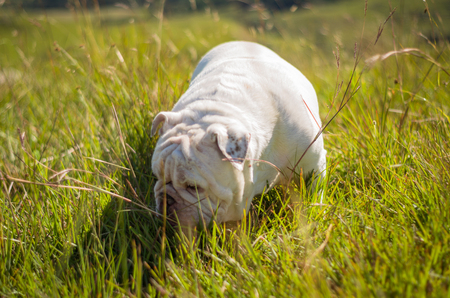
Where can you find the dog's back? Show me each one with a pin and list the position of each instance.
(270, 96)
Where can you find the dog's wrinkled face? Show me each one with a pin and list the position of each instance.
(199, 169)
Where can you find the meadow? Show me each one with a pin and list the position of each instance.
(79, 89)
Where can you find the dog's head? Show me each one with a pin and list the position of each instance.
(200, 168)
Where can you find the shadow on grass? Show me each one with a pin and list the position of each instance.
(128, 241)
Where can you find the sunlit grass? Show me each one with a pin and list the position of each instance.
(77, 97)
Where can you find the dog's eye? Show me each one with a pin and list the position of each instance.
(193, 189)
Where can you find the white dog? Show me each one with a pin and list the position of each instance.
(244, 105)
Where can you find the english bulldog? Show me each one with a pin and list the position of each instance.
(240, 128)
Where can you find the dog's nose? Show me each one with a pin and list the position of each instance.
(169, 201)
(170, 212)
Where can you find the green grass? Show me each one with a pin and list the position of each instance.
(78, 92)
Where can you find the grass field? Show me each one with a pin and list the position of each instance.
(78, 92)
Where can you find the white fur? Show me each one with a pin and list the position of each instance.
(244, 104)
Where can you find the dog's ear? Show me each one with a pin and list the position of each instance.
(233, 143)
(169, 118)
